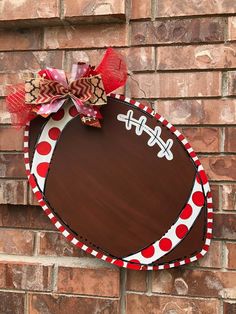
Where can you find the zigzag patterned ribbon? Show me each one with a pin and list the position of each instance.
(50, 95)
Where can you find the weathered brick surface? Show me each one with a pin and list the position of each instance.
(176, 85)
(11, 302)
(220, 167)
(141, 9)
(199, 57)
(203, 139)
(181, 59)
(229, 307)
(136, 281)
(213, 259)
(86, 36)
(100, 281)
(166, 304)
(198, 111)
(15, 241)
(229, 197)
(12, 165)
(225, 226)
(28, 217)
(185, 7)
(74, 10)
(13, 192)
(230, 139)
(28, 10)
(29, 60)
(55, 244)
(16, 144)
(136, 57)
(177, 31)
(21, 39)
(216, 193)
(231, 83)
(232, 28)
(201, 283)
(25, 276)
(54, 304)
(230, 248)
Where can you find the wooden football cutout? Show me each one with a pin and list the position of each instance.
(132, 193)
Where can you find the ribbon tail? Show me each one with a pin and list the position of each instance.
(54, 106)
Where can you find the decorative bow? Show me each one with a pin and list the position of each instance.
(87, 87)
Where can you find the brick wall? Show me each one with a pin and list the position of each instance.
(182, 57)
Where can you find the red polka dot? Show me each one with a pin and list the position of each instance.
(165, 244)
(198, 198)
(119, 263)
(43, 148)
(58, 115)
(73, 111)
(203, 177)
(134, 261)
(54, 133)
(181, 231)
(42, 169)
(148, 252)
(186, 212)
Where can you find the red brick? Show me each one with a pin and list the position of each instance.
(32, 198)
(90, 11)
(11, 302)
(178, 31)
(98, 281)
(229, 307)
(86, 36)
(231, 83)
(230, 253)
(11, 139)
(4, 115)
(8, 79)
(55, 244)
(220, 167)
(198, 57)
(229, 197)
(175, 85)
(21, 39)
(194, 282)
(30, 61)
(17, 242)
(213, 258)
(198, 111)
(186, 7)
(25, 276)
(12, 165)
(141, 9)
(156, 304)
(232, 28)
(215, 190)
(203, 139)
(54, 304)
(137, 58)
(28, 10)
(13, 192)
(230, 140)
(136, 280)
(225, 226)
(30, 217)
